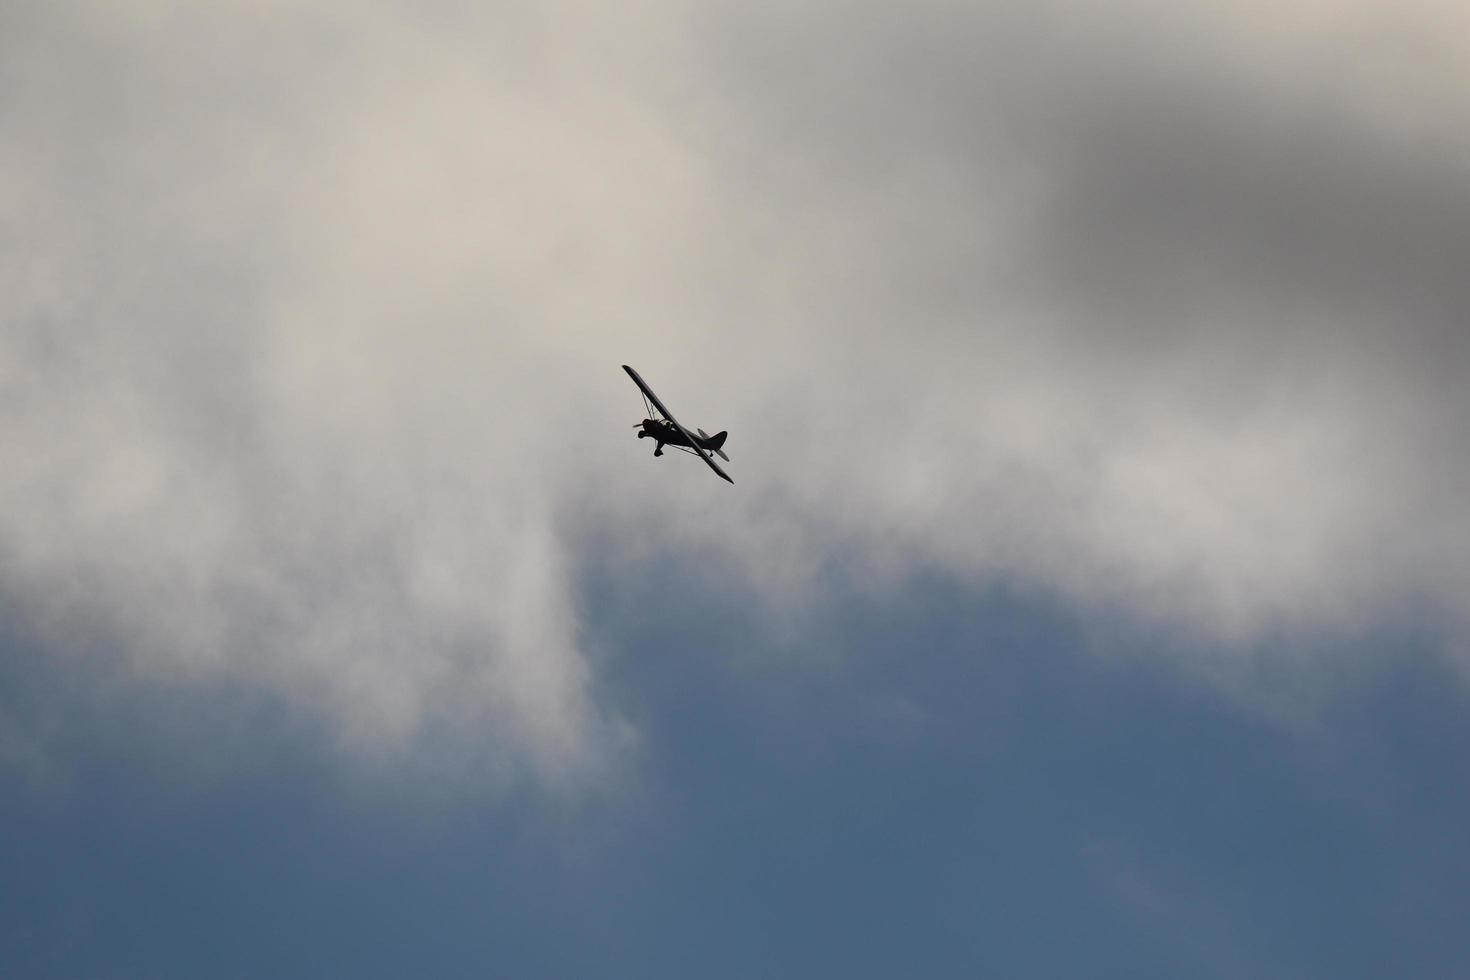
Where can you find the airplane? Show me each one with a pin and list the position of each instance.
(668, 432)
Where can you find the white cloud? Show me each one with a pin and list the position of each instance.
(314, 319)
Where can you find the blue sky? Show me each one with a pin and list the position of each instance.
(942, 784)
(1093, 596)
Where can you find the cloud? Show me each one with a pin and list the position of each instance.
(314, 319)
(1155, 323)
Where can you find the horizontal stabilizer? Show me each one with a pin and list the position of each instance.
(714, 442)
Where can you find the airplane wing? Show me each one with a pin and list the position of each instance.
(675, 423)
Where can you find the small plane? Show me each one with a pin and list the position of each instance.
(666, 431)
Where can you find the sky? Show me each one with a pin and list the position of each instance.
(1093, 597)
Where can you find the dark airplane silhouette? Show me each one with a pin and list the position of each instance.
(667, 431)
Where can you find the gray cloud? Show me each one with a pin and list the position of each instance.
(1202, 317)
(313, 321)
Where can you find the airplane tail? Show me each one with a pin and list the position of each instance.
(714, 442)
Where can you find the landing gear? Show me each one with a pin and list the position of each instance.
(648, 429)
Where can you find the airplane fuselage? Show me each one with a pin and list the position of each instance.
(663, 433)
